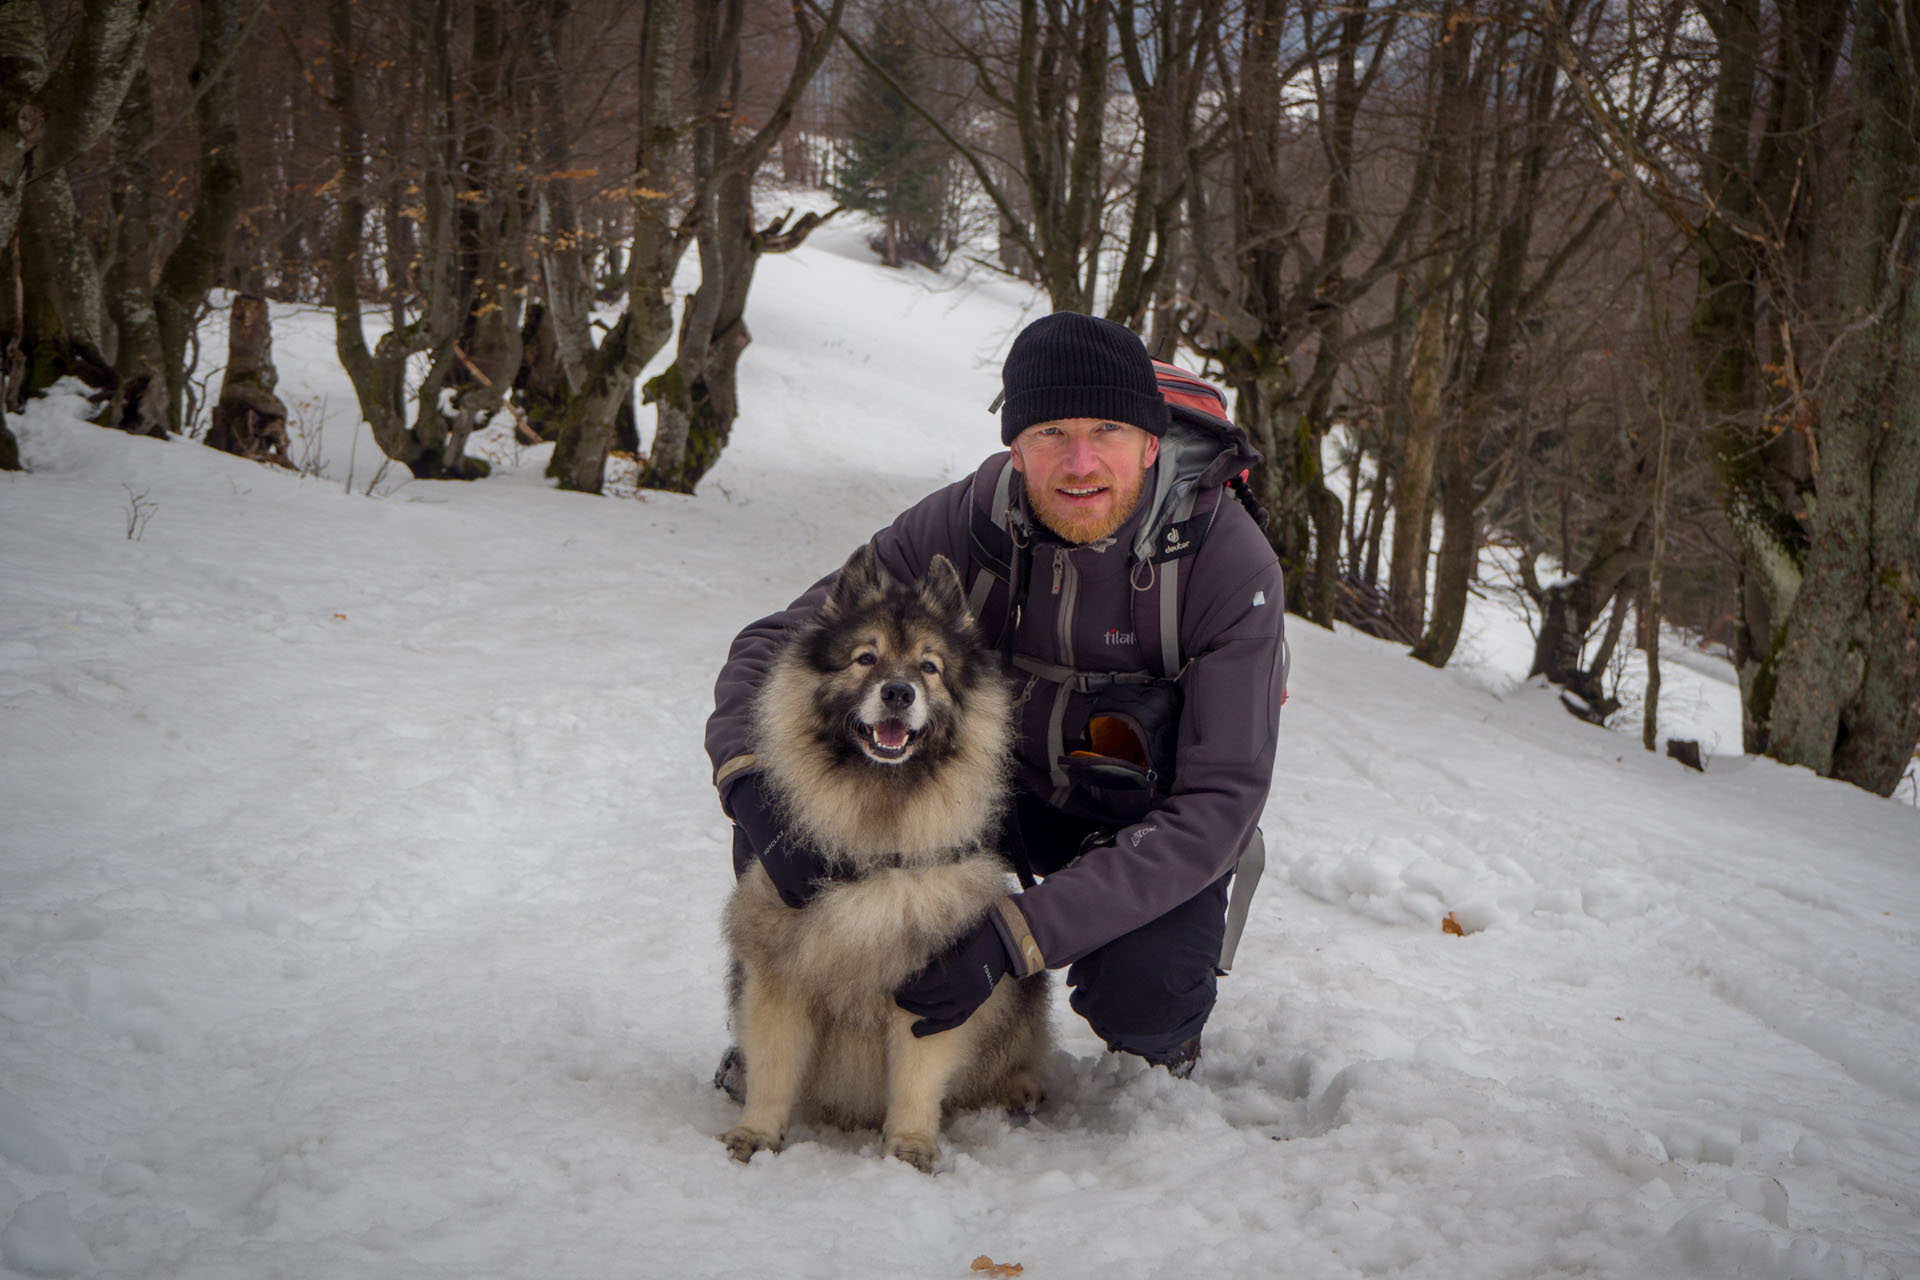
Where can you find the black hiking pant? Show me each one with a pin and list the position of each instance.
(1149, 991)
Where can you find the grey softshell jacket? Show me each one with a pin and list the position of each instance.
(1079, 613)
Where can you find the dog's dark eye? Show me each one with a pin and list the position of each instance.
(866, 659)
(929, 666)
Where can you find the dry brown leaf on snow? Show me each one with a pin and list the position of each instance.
(1452, 926)
(992, 1268)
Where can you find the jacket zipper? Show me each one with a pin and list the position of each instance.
(1066, 585)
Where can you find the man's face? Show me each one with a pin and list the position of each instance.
(1083, 475)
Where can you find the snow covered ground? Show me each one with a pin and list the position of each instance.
(359, 880)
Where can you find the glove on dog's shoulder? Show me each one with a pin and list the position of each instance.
(958, 981)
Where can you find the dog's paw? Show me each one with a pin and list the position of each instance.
(742, 1141)
(920, 1150)
(1024, 1094)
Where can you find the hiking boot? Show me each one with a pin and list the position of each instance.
(1181, 1062)
(731, 1078)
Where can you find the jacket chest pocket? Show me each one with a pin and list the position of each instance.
(1114, 745)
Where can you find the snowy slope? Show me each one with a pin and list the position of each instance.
(359, 880)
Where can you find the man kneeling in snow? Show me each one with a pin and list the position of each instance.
(1143, 617)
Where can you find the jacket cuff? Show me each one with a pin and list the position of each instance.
(1013, 931)
(726, 773)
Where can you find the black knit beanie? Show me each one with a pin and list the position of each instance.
(1067, 365)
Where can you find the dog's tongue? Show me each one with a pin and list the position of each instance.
(891, 734)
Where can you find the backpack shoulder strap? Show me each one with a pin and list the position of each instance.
(994, 550)
(1157, 580)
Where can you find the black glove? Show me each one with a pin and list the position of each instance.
(957, 982)
(794, 865)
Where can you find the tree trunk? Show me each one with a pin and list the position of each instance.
(1880, 728)
(52, 115)
(249, 419)
(140, 396)
(1662, 481)
(1760, 487)
(193, 266)
(379, 375)
(1413, 487)
(1166, 87)
(1825, 650)
(586, 420)
(565, 264)
(1570, 608)
(1523, 128)
(1459, 542)
(1454, 114)
(443, 301)
(696, 397)
(63, 316)
(491, 236)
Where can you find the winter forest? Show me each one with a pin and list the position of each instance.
(407, 402)
(1618, 286)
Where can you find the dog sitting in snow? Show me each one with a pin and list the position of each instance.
(883, 734)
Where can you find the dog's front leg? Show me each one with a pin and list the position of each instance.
(776, 1037)
(919, 1071)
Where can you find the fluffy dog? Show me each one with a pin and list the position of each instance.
(883, 735)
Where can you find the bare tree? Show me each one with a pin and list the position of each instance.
(1285, 252)
(1846, 701)
(586, 418)
(696, 398)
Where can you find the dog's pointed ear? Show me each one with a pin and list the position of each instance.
(861, 578)
(943, 594)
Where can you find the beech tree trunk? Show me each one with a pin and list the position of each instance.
(1861, 583)
(63, 317)
(696, 398)
(194, 265)
(566, 268)
(249, 419)
(140, 398)
(49, 116)
(1453, 115)
(378, 375)
(586, 419)
(1756, 199)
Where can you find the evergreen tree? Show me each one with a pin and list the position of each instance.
(894, 166)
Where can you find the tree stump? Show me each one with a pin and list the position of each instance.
(1687, 752)
(250, 420)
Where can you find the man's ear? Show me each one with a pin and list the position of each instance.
(1019, 463)
(1153, 449)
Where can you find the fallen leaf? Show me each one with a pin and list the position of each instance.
(1452, 926)
(992, 1268)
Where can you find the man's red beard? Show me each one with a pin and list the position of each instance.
(1084, 521)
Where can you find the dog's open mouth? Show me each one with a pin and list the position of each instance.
(888, 741)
